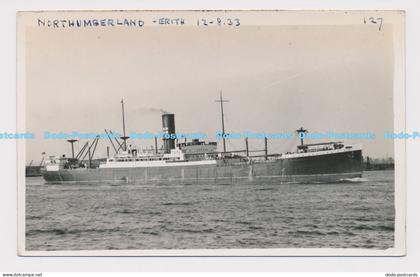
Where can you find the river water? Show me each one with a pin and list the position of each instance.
(358, 214)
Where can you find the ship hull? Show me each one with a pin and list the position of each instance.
(324, 168)
(33, 171)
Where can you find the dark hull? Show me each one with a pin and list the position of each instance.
(319, 169)
(33, 171)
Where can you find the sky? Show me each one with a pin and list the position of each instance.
(276, 78)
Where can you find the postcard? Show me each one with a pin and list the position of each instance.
(211, 133)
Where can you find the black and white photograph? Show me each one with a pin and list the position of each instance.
(231, 133)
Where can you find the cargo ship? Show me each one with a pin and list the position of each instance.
(199, 162)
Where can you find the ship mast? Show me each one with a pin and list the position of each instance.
(299, 131)
(124, 137)
(223, 120)
(72, 141)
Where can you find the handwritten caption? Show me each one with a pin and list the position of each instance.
(132, 22)
(162, 21)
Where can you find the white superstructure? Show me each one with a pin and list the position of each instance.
(175, 158)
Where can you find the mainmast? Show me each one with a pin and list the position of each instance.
(299, 131)
(124, 137)
(223, 120)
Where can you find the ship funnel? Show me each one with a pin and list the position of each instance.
(168, 126)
